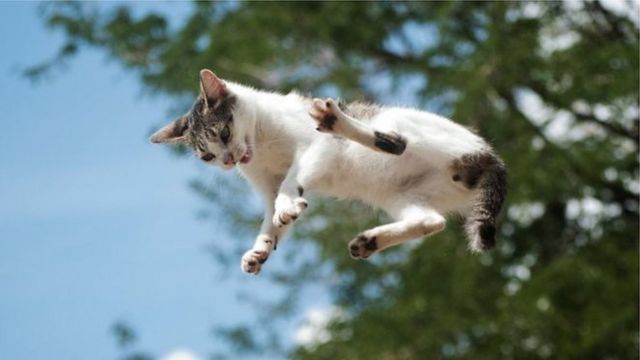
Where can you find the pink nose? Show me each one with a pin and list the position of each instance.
(228, 159)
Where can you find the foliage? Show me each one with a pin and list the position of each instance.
(126, 337)
(553, 86)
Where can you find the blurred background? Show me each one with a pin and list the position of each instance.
(111, 248)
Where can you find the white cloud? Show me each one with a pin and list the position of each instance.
(313, 330)
(181, 354)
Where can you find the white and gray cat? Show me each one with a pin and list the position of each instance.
(415, 165)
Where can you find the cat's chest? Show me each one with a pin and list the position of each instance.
(270, 162)
(275, 158)
(276, 166)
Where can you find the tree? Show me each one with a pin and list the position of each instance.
(553, 86)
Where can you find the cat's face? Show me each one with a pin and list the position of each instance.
(213, 127)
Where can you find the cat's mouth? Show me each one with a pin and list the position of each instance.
(248, 153)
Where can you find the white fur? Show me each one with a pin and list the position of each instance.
(288, 152)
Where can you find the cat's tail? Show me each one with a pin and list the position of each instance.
(480, 225)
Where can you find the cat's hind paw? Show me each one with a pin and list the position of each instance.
(326, 115)
(252, 261)
(287, 214)
(363, 246)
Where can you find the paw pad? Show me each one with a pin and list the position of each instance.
(252, 261)
(289, 213)
(363, 246)
(322, 112)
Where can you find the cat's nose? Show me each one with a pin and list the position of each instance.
(228, 159)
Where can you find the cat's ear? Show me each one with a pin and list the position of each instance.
(171, 134)
(212, 87)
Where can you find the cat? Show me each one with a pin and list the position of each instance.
(415, 165)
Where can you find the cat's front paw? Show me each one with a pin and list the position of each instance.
(325, 113)
(288, 211)
(363, 246)
(252, 260)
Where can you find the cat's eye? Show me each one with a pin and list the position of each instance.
(207, 157)
(224, 134)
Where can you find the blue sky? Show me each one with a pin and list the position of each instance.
(96, 224)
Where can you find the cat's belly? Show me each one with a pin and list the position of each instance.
(381, 180)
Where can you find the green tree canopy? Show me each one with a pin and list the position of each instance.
(553, 86)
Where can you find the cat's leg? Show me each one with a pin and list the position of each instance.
(289, 202)
(283, 205)
(265, 243)
(415, 222)
(331, 119)
(267, 238)
(269, 234)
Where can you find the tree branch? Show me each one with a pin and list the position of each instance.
(611, 127)
(547, 96)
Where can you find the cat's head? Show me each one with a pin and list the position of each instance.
(217, 127)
